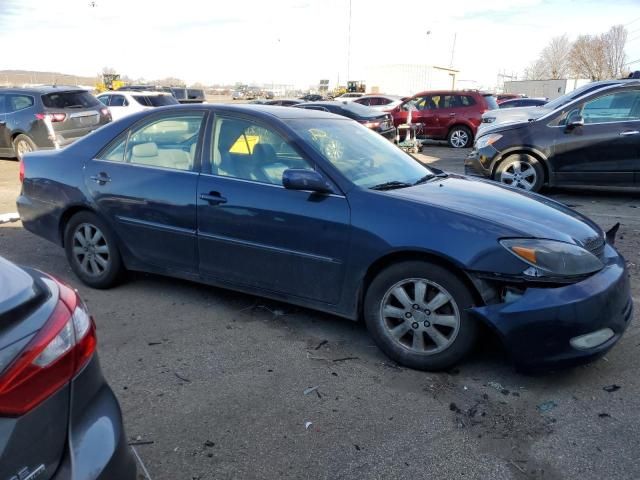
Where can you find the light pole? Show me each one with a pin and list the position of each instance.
(349, 46)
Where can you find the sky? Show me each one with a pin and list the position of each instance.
(296, 41)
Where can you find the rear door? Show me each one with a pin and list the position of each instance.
(145, 183)
(422, 113)
(255, 233)
(606, 150)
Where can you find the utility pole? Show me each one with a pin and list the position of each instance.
(453, 49)
(349, 46)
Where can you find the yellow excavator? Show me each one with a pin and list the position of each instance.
(110, 81)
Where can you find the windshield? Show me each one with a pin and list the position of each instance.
(74, 99)
(491, 102)
(361, 155)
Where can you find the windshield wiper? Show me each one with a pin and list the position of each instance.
(390, 185)
(431, 176)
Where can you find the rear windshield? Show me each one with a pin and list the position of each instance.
(179, 93)
(77, 99)
(155, 100)
(491, 101)
(195, 94)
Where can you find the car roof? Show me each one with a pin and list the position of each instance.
(267, 111)
(43, 89)
(452, 92)
(134, 92)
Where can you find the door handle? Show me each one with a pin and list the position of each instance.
(213, 198)
(101, 179)
(626, 133)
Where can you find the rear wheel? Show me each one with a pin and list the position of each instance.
(460, 137)
(521, 171)
(23, 144)
(92, 251)
(416, 313)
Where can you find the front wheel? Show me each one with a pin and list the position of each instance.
(416, 313)
(521, 171)
(92, 251)
(460, 137)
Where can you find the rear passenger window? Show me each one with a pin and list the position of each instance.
(467, 100)
(3, 108)
(104, 99)
(19, 102)
(169, 142)
(118, 101)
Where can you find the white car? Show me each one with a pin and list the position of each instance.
(349, 97)
(384, 103)
(122, 102)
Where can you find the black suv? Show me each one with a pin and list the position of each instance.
(593, 140)
(46, 117)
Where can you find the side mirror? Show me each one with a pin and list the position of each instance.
(302, 179)
(575, 122)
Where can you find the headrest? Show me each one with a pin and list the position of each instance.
(145, 150)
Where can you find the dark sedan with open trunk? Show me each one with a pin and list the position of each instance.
(317, 210)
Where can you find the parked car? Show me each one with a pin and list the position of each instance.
(377, 121)
(446, 115)
(285, 102)
(523, 102)
(187, 95)
(58, 416)
(314, 209)
(503, 97)
(593, 140)
(349, 96)
(311, 97)
(530, 113)
(237, 95)
(43, 117)
(122, 103)
(385, 103)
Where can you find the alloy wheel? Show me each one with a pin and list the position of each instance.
(420, 315)
(459, 139)
(90, 249)
(519, 174)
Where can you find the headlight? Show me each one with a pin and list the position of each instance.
(552, 258)
(488, 119)
(487, 140)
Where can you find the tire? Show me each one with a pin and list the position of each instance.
(460, 137)
(23, 144)
(521, 171)
(88, 237)
(412, 336)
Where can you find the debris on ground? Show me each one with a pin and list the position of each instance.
(141, 442)
(184, 379)
(604, 415)
(311, 389)
(497, 386)
(307, 425)
(454, 408)
(611, 388)
(209, 444)
(323, 342)
(546, 406)
(151, 344)
(344, 359)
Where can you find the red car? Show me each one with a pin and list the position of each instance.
(503, 97)
(452, 115)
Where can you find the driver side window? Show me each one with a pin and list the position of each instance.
(245, 150)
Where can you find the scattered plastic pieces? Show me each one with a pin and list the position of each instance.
(611, 388)
(311, 389)
(547, 406)
(345, 359)
(307, 425)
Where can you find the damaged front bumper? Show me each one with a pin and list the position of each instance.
(539, 328)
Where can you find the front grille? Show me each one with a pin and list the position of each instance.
(595, 246)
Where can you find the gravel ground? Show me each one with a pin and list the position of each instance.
(216, 380)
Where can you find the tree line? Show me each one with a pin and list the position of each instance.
(596, 57)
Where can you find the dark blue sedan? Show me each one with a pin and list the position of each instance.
(317, 210)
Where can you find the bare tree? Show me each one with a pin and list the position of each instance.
(615, 41)
(589, 58)
(555, 57)
(537, 70)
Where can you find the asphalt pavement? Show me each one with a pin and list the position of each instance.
(220, 385)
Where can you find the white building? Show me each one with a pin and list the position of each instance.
(406, 79)
(544, 88)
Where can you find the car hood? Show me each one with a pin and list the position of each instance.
(524, 214)
(516, 113)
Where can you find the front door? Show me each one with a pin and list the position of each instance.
(255, 233)
(606, 150)
(145, 185)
